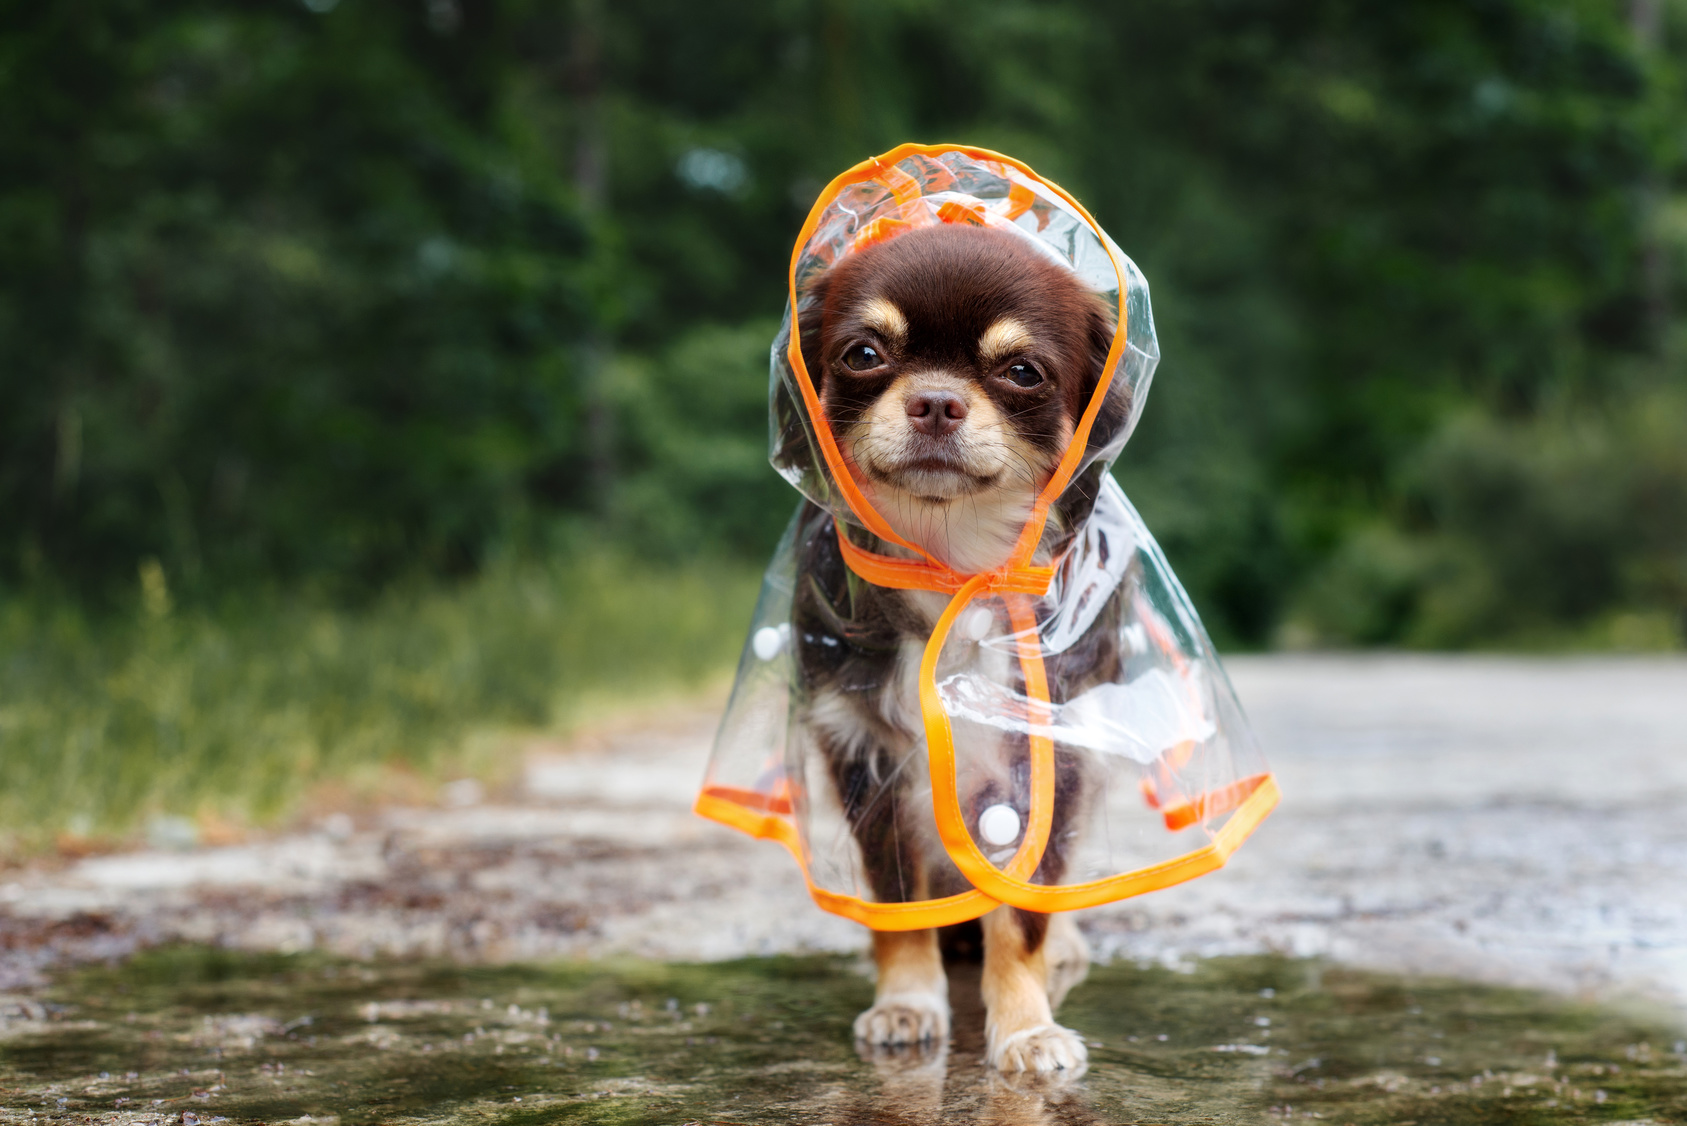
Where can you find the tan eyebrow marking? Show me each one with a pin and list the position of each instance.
(1002, 339)
(885, 319)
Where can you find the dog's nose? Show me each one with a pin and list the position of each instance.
(936, 412)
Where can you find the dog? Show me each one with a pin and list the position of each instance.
(953, 364)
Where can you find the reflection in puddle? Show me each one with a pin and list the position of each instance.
(196, 1035)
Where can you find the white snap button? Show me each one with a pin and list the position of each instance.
(999, 825)
(767, 642)
(976, 623)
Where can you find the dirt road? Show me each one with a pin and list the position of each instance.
(1507, 820)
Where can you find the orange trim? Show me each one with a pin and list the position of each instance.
(940, 754)
(899, 574)
(880, 916)
(751, 799)
(956, 212)
(882, 229)
(1022, 616)
(1212, 803)
(1020, 199)
(1209, 857)
(902, 186)
(909, 574)
(973, 904)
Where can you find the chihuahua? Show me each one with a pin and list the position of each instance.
(953, 364)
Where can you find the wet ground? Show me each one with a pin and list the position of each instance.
(194, 1035)
(1505, 820)
(1516, 823)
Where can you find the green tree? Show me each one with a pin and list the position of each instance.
(333, 292)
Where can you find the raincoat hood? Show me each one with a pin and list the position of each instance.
(1081, 652)
(916, 186)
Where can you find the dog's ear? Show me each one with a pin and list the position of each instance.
(1102, 321)
(811, 318)
(1074, 505)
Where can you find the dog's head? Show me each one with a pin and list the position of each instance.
(953, 363)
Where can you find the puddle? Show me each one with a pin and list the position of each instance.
(193, 1035)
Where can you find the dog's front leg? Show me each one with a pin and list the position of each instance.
(911, 1004)
(1019, 1029)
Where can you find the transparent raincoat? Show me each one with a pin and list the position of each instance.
(1081, 653)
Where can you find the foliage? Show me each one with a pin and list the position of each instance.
(335, 292)
(233, 713)
(694, 445)
(1569, 527)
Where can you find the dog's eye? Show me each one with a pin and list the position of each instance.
(1024, 375)
(862, 357)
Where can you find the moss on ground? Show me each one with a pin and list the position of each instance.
(274, 1038)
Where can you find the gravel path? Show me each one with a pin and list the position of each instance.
(1507, 820)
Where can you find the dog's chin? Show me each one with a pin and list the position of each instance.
(932, 480)
(966, 520)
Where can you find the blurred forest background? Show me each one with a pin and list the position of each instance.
(370, 369)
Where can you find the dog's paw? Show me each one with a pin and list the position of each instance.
(1041, 1048)
(904, 1018)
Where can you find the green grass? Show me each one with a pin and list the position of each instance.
(236, 714)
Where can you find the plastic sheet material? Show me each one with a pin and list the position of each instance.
(1065, 735)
